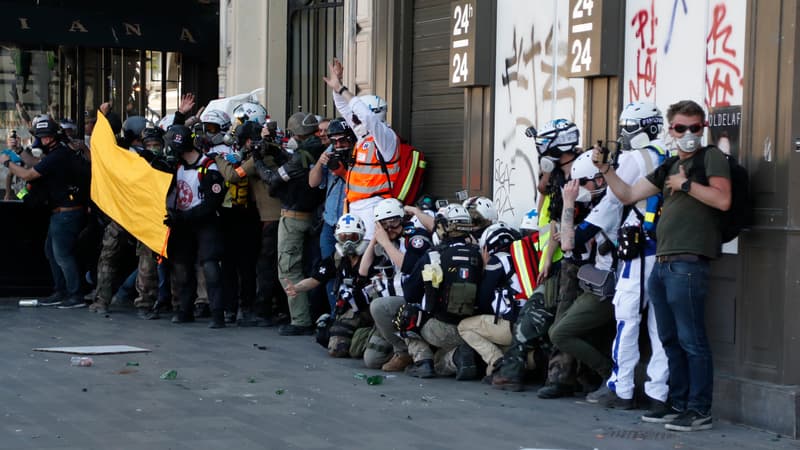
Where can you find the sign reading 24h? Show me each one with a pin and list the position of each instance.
(594, 37)
(469, 49)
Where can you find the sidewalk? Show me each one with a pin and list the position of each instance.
(231, 394)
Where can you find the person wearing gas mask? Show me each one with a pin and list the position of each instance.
(688, 239)
(289, 182)
(393, 252)
(640, 125)
(483, 214)
(193, 202)
(63, 188)
(329, 173)
(238, 218)
(255, 140)
(440, 291)
(377, 145)
(352, 306)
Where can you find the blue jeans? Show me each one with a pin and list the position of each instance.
(678, 292)
(327, 246)
(127, 290)
(164, 293)
(62, 235)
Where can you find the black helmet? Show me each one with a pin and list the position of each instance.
(47, 127)
(426, 203)
(179, 139)
(248, 130)
(134, 125)
(152, 134)
(338, 127)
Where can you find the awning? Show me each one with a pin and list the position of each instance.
(37, 25)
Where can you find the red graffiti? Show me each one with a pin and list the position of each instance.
(644, 84)
(723, 75)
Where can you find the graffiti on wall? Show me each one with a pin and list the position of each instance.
(643, 24)
(532, 68)
(724, 81)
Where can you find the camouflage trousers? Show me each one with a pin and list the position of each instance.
(115, 243)
(562, 367)
(147, 277)
(343, 328)
(442, 335)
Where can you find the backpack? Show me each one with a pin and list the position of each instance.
(412, 166)
(740, 215)
(81, 182)
(462, 267)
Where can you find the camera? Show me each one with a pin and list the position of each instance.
(441, 203)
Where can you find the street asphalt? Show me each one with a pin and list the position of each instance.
(249, 388)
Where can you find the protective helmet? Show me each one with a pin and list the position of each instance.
(388, 208)
(530, 222)
(584, 167)
(498, 237)
(248, 130)
(151, 133)
(179, 138)
(482, 211)
(67, 124)
(45, 127)
(215, 117)
(376, 104)
(640, 123)
(250, 112)
(452, 221)
(339, 127)
(426, 202)
(302, 124)
(133, 127)
(557, 137)
(166, 121)
(349, 234)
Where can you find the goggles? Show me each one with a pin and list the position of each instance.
(392, 223)
(210, 128)
(345, 237)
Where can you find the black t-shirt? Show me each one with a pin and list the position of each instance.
(346, 276)
(56, 170)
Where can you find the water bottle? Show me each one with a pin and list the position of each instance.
(81, 361)
(29, 302)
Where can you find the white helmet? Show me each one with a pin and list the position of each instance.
(584, 169)
(166, 121)
(218, 118)
(349, 234)
(376, 104)
(498, 237)
(482, 211)
(557, 137)
(531, 221)
(640, 123)
(388, 208)
(252, 112)
(452, 220)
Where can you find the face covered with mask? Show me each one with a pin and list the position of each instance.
(687, 131)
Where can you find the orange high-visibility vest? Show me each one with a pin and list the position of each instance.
(366, 178)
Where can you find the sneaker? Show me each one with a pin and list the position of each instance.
(464, 360)
(72, 303)
(52, 300)
(690, 420)
(98, 308)
(421, 369)
(599, 394)
(506, 384)
(660, 412)
(147, 314)
(230, 317)
(295, 330)
(555, 391)
(398, 362)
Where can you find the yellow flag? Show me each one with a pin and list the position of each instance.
(128, 190)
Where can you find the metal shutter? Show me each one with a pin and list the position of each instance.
(437, 110)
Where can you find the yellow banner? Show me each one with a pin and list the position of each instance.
(127, 189)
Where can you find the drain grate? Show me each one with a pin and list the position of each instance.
(638, 435)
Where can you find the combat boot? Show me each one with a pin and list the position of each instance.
(555, 390)
(464, 360)
(217, 319)
(398, 362)
(421, 369)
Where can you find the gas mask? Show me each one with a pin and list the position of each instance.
(584, 195)
(291, 146)
(689, 142)
(633, 142)
(548, 164)
(351, 248)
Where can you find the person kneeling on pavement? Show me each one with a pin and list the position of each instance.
(442, 289)
(352, 307)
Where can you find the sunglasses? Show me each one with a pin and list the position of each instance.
(584, 181)
(340, 138)
(694, 128)
(392, 223)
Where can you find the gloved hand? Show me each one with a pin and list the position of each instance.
(232, 158)
(292, 169)
(433, 273)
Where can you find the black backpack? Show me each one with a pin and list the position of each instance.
(462, 268)
(740, 215)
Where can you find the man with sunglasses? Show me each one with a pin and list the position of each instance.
(392, 255)
(688, 238)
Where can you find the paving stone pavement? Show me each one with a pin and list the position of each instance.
(230, 394)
